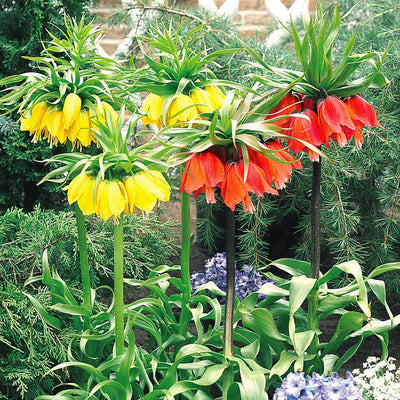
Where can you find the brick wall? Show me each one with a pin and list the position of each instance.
(253, 19)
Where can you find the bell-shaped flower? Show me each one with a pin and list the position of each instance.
(202, 99)
(362, 114)
(203, 172)
(152, 106)
(335, 119)
(182, 109)
(145, 188)
(111, 198)
(276, 172)
(216, 96)
(290, 103)
(233, 189)
(71, 109)
(81, 189)
(362, 111)
(34, 122)
(306, 129)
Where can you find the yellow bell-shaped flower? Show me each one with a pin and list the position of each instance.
(131, 194)
(152, 106)
(216, 96)
(54, 122)
(202, 99)
(150, 187)
(111, 198)
(81, 189)
(84, 135)
(182, 109)
(71, 109)
(101, 113)
(34, 123)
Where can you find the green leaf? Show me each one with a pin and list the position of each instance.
(46, 317)
(251, 350)
(71, 309)
(292, 266)
(300, 287)
(351, 321)
(379, 289)
(353, 268)
(286, 359)
(331, 303)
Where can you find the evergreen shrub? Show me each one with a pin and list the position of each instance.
(24, 237)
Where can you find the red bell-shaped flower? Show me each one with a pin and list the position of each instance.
(276, 172)
(204, 171)
(362, 111)
(335, 120)
(307, 130)
(290, 103)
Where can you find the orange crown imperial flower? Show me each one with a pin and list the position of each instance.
(208, 170)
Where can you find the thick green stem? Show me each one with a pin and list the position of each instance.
(185, 257)
(315, 252)
(83, 258)
(119, 286)
(315, 221)
(230, 295)
(230, 280)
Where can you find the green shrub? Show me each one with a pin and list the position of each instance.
(28, 348)
(24, 237)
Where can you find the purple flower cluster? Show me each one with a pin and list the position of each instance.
(247, 280)
(297, 387)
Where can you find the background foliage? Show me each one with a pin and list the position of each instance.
(24, 237)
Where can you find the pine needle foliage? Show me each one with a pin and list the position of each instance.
(28, 348)
(24, 237)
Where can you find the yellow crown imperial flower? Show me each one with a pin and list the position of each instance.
(53, 120)
(84, 135)
(144, 189)
(111, 198)
(34, 123)
(203, 100)
(216, 96)
(182, 109)
(81, 189)
(71, 109)
(152, 105)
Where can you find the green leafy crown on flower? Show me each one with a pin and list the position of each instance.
(315, 52)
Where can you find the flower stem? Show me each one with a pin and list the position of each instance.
(185, 258)
(315, 221)
(119, 286)
(230, 295)
(315, 253)
(83, 258)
